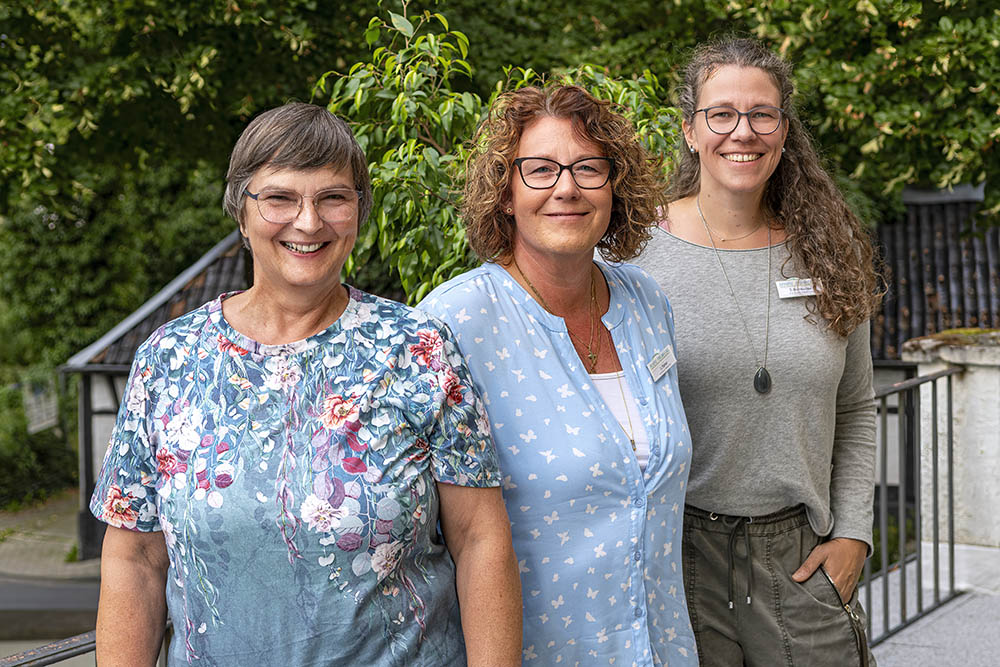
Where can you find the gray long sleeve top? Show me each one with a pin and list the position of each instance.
(811, 439)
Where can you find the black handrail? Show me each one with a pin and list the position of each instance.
(64, 649)
(50, 654)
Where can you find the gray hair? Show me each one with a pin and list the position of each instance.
(295, 136)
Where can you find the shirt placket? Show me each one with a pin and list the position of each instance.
(637, 501)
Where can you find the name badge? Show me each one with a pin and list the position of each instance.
(795, 287)
(662, 362)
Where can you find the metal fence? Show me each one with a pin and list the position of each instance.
(898, 587)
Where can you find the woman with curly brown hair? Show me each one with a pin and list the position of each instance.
(575, 361)
(773, 284)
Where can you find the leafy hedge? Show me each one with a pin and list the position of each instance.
(31, 466)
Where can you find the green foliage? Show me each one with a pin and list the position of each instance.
(101, 96)
(31, 466)
(122, 85)
(119, 246)
(537, 36)
(116, 124)
(411, 123)
(892, 538)
(920, 105)
(408, 111)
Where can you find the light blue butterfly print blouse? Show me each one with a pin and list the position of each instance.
(598, 540)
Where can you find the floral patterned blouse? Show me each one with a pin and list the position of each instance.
(295, 486)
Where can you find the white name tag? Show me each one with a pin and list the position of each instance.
(795, 287)
(662, 362)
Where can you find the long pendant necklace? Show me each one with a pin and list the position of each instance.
(593, 353)
(761, 379)
(628, 413)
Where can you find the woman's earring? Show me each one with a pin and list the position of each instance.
(509, 210)
(782, 149)
(691, 148)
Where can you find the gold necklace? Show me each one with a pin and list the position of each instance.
(628, 413)
(592, 354)
(732, 238)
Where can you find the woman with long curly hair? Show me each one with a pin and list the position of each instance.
(575, 362)
(772, 280)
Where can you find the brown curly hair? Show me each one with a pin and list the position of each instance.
(636, 185)
(821, 230)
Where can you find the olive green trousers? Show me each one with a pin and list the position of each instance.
(745, 607)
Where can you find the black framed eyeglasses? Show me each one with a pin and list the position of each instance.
(725, 119)
(589, 173)
(284, 206)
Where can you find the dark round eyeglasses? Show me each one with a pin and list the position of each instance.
(725, 119)
(589, 173)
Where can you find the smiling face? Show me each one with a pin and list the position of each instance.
(564, 220)
(306, 252)
(742, 161)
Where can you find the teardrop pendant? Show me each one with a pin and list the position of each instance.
(762, 381)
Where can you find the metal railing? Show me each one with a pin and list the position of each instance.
(53, 653)
(892, 597)
(64, 649)
(894, 592)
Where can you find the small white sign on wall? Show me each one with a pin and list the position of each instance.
(41, 405)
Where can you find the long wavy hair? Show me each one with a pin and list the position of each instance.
(636, 185)
(822, 231)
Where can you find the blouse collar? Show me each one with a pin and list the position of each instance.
(283, 349)
(521, 296)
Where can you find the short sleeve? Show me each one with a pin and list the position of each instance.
(125, 493)
(462, 449)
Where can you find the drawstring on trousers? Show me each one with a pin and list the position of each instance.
(735, 523)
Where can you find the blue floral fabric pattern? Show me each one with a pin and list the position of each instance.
(295, 485)
(598, 539)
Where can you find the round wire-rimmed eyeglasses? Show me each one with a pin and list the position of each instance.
(589, 173)
(724, 119)
(283, 206)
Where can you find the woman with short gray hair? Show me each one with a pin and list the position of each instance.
(283, 455)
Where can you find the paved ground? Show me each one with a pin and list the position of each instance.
(36, 542)
(963, 633)
(44, 597)
(41, 594)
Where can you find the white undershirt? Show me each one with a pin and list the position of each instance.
(614, 389)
